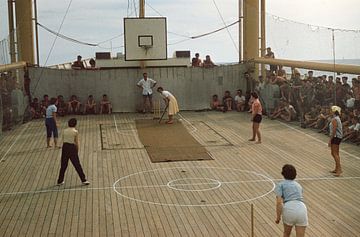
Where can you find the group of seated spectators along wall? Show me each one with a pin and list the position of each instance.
(13, 98)
(308, 99)
(72, 106)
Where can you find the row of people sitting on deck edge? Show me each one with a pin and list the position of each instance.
(239, 103)
(79, 64)
(73, 106)
(197, 62)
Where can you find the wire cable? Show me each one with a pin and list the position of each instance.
(65, 37)
(53, 45)
(233, 41)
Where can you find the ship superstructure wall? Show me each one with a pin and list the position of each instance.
(193, 87)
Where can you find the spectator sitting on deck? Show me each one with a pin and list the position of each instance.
(78, 64)
(90, 106)
(44, 104)
(74, 105)
(196, 62)
(35, 109)
(352, 131)
(62, 107)
(208, 63)
(92, 64)
(105, 105)
(215, 103)
(239, 101)
(227, 101)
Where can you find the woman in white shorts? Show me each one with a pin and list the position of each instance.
(289, 203)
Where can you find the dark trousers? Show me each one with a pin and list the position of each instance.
(69, 151)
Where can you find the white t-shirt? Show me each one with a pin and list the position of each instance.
(239, 99)
(350, 103)
(147, 85)
(69, 135)
(166, 94)
(355, 127)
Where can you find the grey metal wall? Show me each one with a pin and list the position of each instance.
(193, 87)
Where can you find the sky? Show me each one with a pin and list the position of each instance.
(95, 21)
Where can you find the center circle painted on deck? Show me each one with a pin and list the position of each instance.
(194, 186)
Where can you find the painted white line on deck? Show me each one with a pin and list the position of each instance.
(182, 117)
(117, 130)
(165, 185)
(54, 190)
(316, 139)
(17, 138)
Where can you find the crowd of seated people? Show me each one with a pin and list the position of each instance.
(305, 99)
(228, 103)
(308, 100)
(73, 106)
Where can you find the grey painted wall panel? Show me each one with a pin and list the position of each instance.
(193, 87)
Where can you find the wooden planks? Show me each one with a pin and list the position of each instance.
(31, 204)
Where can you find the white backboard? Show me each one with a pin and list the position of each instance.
(145, 38)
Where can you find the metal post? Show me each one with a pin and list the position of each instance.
(334, 61)
(240, 29)
(36, 34)
(263, 39)
(11, 31)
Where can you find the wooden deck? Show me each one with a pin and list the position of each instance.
(130, 196)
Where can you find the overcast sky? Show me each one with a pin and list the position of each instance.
(95, 21)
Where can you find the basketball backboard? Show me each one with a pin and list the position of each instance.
(145, 38)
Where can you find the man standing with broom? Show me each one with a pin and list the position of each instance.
(171, 103)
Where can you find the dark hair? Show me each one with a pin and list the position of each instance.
(254, 94)
(337, 113)
(104, 95)
(144, 73)
(53, 100)
(215, 95)
(159, 88)
(46, 95)
(72, 122)
(289, 172)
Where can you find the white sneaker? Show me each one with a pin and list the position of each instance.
(59, 184)
(86, 182)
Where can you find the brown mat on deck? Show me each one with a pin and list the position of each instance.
(169, 142)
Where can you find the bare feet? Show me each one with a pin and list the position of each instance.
(169, 122)
(258, 142)
(48, 146)
(338, 173)
(332, 171)
(251, 140)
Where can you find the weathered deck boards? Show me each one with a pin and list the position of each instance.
(190, 198)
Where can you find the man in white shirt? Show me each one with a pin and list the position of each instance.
(146, 84)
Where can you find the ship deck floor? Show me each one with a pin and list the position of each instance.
(130, 196)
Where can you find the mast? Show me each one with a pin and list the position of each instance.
(142, 9)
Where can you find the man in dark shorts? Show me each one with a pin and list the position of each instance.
(146, 84)
(256, 117)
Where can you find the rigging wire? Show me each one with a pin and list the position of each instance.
(65, 37)
(53, 45)
(135, 8)
(222, 18)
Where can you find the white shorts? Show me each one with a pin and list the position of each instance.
(295, 214)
